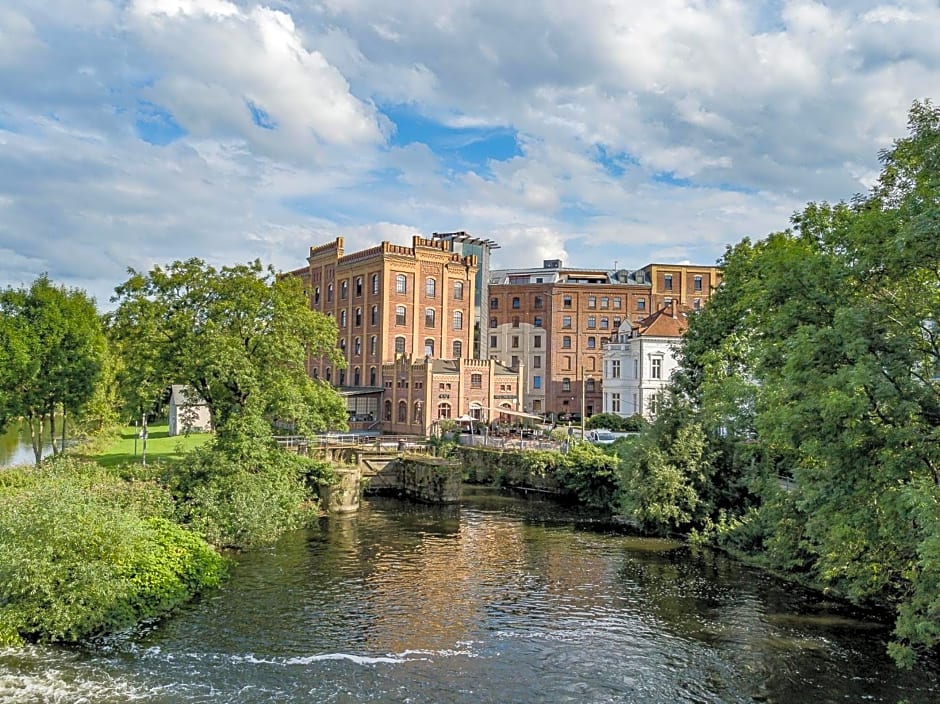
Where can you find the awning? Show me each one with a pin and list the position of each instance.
(510, 412)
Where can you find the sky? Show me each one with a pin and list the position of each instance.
(601, 132)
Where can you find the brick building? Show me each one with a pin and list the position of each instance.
(388, 301)
(420, 393)
(556, 320)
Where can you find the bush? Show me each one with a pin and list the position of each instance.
(83, 553)
(616, 423)
(234, 505)
(591, 475)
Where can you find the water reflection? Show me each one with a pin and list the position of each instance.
(497, 600)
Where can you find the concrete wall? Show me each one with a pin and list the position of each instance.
(430, 480)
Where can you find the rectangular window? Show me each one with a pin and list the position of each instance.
(515, 362)
(592, 322)
(401, 284)
(617, 302)
(494, 304)
(592, 342)
(615, 369)
(566, 342)
(656, 368)
(605, 302)
(515, 342)
(641, 304)
(537, 341)
(696, 304)
(566, 321)
(537, 361)
(667, 282)
(537, 321)
(566, 384)
(615, 403)
(400, 315)
(697, 283)
(566, 301)
(515, 302)
(592, 301)
(536, 382)
(515, 321)
(538, 302)
(604, 323)
(492, 340)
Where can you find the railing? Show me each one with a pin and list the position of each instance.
(301, 443)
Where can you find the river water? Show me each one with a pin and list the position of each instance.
(500, 600)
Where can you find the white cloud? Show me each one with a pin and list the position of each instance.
(754, 108)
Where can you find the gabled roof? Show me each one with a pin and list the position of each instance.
(668, 321)
(182, 395)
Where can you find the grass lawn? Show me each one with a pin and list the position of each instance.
(160, 446)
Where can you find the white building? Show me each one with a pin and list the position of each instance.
(188, 412)
(639, 361)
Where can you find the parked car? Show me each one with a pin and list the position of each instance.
(601, 437)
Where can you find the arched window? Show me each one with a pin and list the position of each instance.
(589, 385)
(373, 345)
(329, 375)
(388, 410)
(374, 316)
(418, 416)
(342, 377)
(342, 345)
(358, 286)
(358, 317)
(400, 315)
(430, 287)
(375, 283)
(342, 318)
(458, 290)
(357, 349)
(443, 410)
(372, 376)
(402, 411)
(401, 284)
(344, 290)
(429, 317)
(329, 293)
(399, 345)
(316, 295)
(357, 377)
(458, 320)
(429, 347)
(458, 349)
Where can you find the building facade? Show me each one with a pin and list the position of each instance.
(390, 301)
(640, 360)
(418, 394)
(556, 320)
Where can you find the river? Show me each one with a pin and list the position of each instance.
(15, 446)
(501, 599)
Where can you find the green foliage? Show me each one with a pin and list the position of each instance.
(615, 423)
(235, 504)
(52, 351)
(818, 359)
(83, 552)
(591, 475)
(239, 336)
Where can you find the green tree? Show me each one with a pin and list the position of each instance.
(52, 349)
(239, 336)
(818, 359)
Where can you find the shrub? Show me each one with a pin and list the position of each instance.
(591, 475)
(234, 505)
(83, 552)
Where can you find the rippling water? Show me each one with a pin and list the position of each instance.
(497, 600)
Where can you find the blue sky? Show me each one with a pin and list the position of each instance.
(136, 132)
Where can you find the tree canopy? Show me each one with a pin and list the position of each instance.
(818, 361)
(239, 336)
(52, 350)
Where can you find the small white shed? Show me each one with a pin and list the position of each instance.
(188, 411)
